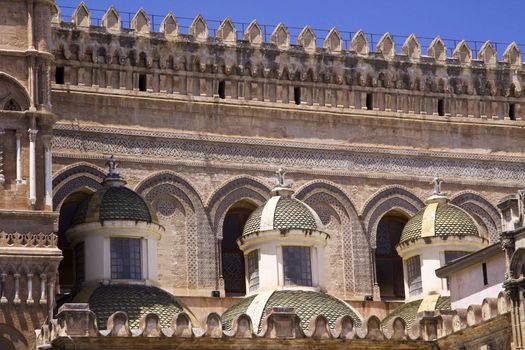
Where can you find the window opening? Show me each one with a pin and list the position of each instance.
(222, 89)
(441, 107)
(125, 258)
(415, 287)
(512, 111)
(142, 82)
(369, 102)
(297, 266)
(253, 270)
(485, 276)
(59, 75)
(297, 95)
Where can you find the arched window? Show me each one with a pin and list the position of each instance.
(12, 105)
(389, 265)
(233, 268)
(6, 344)
(67, 269)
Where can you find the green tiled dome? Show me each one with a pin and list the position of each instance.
(113, 203)
(289, 213)
(448, 220)
(134, 300)
(409, 310)
(306, 304)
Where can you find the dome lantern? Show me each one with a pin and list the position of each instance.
(116, 228)
(437, 234)
(283, 243)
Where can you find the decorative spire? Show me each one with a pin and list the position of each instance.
(113, 178)
(437, 186)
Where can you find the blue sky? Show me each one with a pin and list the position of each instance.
(498, 21)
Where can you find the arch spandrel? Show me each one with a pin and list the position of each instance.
(12, 92)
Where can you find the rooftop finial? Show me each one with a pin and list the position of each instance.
(437, 186)
(113, 178)
(280, 177)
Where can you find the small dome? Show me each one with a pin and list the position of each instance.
(134, 300)
(283, 213)
(409, 311)
(306, 304)
(439, 219)
(114, 203)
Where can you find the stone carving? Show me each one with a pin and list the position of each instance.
(488, 54)
(280, 37)
(140, 23)
(412, 48)
(512, 55)
(169, 26)
(386, 46)
(462, 53)
(437, 50)
(111, 20)
(307, 39)
(199, 29)
(437, 182)
(359, 44)
(81, 17)
(28, 240)
(254, 34)
(227, 32)
(333, 42)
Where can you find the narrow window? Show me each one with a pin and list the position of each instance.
(297, 95)
(297, 266)
(512, 111)
(253, 270)
(485, 276)
(369, 102)
(59, 75)
(142, 82)
(441, 107)
(126, 259)
(80, 269)
(415, 286)
(222, 89)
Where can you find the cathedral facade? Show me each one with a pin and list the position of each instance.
(213, 187)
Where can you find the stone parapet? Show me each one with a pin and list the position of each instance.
(222, 67)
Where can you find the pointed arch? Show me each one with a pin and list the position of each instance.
(348, 242)
(412, 48)
(254, 34)
(517, 264)
(333, 41)
(486, 214)
(10, 88)
(512, 55)
(199, 29)
(307, 39)
(386, 46)
(232, 191)
(437, 49)
(169, 25)
(463, 53)
(488, 54)
(359, 44)
(388, 199)
(280, 37)
(111, 19)
(81, 17)
(140, 22)
(226, 31)
(75, 177)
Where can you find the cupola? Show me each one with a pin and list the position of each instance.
(283, 243)
(437, 234)
(114, 233)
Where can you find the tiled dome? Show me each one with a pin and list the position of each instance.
(134, 300)
(306, 304)
(114, 203)
(408, 311)
(282, 213)
(441, 219)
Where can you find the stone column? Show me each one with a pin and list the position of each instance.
(30, 300)
(18, 157)
(48, 170)
(32, 165)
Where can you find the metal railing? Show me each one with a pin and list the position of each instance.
(213, 24)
